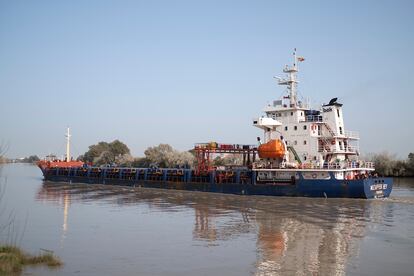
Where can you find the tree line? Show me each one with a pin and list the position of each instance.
(161, 156)
(387, 164)
(30, 159)
(117, 153)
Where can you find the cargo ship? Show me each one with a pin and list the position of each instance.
(304, 152)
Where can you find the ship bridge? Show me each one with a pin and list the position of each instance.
(313, 136)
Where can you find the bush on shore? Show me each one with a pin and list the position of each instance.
(165, 156)
(107, 153)
(13, 259)
(387, 164)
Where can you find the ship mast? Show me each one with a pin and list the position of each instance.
(291, 80)
(67, 145)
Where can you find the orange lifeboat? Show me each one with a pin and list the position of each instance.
(272, 149)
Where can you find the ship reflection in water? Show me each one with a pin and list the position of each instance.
(299, 236)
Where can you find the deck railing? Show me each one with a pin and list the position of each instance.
(344, 134)
(360, 164)
(327, 166)
(347, 149)
(351, 134)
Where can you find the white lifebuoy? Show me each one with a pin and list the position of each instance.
(314, 175)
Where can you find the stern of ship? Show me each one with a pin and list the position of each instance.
(379, 187)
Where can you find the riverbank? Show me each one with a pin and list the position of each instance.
(13, 260)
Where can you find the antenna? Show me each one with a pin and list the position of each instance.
(68, 145)
(290, 80)
(294, 82)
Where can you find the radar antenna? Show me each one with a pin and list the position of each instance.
(291, 79)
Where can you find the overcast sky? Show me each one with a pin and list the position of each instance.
(182, 72)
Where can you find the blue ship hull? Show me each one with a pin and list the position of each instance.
(242, 182)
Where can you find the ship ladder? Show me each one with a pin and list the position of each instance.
(295, 154)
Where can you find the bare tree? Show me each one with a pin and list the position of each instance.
(3, 149)
(165, 156)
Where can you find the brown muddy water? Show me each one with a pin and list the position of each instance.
(106, 230)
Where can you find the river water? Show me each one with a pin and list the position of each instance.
(106, 230)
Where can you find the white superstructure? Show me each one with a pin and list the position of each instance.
(314, 138)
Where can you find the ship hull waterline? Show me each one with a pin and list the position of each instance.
(378, 187)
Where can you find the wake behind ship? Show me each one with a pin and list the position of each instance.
(304, 152)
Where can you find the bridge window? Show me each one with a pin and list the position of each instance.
(340, 130)
(305, 127)
(286, 128)
(304, 142)
(337, 112)
(295, 127)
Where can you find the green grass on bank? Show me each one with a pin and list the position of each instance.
(13, 259)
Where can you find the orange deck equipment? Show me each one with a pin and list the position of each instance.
(272, 149)
(43, 164)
